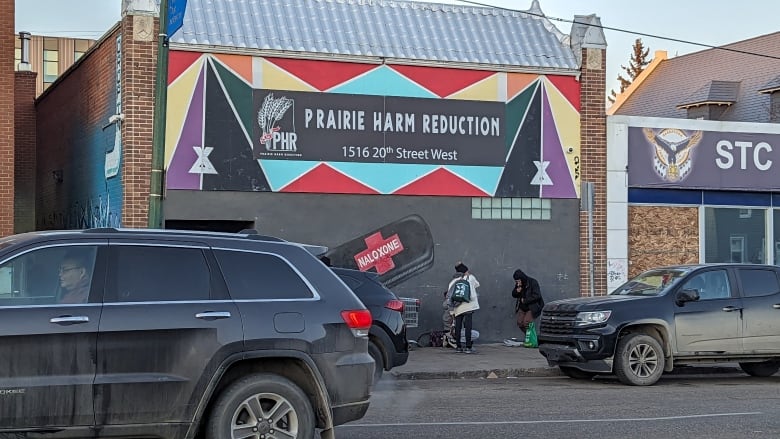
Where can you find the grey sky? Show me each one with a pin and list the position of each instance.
(713, 22)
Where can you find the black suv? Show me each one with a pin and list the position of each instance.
(667, 317)
(176, 334)
(387, 341)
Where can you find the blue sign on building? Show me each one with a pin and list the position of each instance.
(175, 15)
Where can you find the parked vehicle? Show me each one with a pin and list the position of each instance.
(176, 334)
(387, 342)
(667, 317)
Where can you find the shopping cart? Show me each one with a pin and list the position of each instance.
(411, 311)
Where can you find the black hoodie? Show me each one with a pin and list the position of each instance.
(530, 293)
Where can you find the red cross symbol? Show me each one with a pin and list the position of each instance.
(379, 253)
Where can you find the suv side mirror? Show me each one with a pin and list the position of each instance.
(688, 295)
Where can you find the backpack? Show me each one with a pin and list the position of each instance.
(460, 291)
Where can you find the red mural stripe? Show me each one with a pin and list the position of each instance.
(324, 179)
(442, 182)
(442, 81)
(179, 61)
(321, 75)
(569, 88)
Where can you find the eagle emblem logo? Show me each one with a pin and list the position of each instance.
(673, 152)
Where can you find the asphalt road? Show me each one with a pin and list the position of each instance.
(722, 406)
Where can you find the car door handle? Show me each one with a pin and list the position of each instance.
(776, 306)
(213, 315)
(731, 308)
(69, 320)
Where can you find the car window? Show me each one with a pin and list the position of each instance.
(712, 284)
(251, 276)
(651, 283)
(156, 274)
(757, 282)
(50, 275)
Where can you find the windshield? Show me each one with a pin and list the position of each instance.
(651, 283)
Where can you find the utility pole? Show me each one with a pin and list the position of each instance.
(158, 137)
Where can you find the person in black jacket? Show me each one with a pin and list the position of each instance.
(529, 302)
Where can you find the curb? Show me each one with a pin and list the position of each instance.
(474, 374)
(543, 372)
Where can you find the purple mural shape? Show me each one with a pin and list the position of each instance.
(552, 153)
(178, 175)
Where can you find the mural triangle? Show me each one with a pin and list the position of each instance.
(184, 156)
(517, 82)
(569, 87)
(182, 90)
(556, 166)
(322, 75)
(179, 61)
(485, 90)
(324, 179)
(441, 182)
(441, 81)
(384, 177)
(241, 65)
(275, 78)
(280, 173)
(383, 81)
(483, 177)
(240, 94)
(516, 110)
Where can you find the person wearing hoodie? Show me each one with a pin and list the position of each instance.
(464, 311)
(529, 303)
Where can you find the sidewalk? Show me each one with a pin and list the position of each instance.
(494, 360)
(502, 361)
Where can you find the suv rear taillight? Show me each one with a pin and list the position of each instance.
(395, 305)
(359, 321)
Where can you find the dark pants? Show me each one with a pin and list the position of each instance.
(523, 319)
(461, 321)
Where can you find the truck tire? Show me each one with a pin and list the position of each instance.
(763, 369)
(577, 374)
(263, 404)
(379, 361)
(639, 360)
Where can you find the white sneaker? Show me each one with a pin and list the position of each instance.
(513, 342)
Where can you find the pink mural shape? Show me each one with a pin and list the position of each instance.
(178, 175)
(552, 152)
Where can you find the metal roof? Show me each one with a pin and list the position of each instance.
(661, 92)
(395, 29)
(721, 92)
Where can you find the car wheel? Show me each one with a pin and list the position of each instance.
(639, 360)
(577, 374)
(261, 405)
(379, 361)
(763, 369)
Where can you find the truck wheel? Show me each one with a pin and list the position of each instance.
(261, 405)
(379, 362)
(763, 369)
(639, 360)
(577, 374)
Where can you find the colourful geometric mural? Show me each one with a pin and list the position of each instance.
(216, 102)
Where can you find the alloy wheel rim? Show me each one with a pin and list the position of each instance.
(643, 360)
(264, 416)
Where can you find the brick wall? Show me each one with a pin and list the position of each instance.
(7, 12)
(593, 129)
(139, 61)
(72, 142)
(24, 151)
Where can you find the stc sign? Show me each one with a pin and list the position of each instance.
(695, 159)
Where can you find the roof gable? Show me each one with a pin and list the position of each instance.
(394, 29)
(676, 81)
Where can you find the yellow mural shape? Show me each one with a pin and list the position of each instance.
(484, 90)
(241, 65)
(179, 96)
(517, 82)
(567, 121)
(278, 79)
